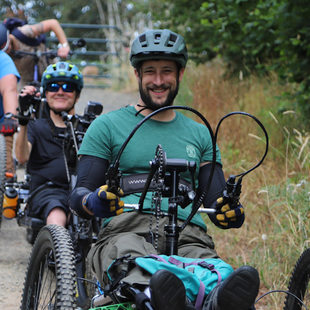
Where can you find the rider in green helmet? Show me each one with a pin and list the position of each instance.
(159, 58)
(37, 142)
(159, 45)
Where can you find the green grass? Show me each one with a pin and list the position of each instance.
(276, 196)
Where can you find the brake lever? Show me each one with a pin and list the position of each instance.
(232, 190)
(113, 179)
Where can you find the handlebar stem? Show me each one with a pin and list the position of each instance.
(172, 229)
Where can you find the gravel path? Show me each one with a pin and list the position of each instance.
(14, 249)
(110, 99)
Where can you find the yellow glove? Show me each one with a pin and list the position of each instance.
(229, 215)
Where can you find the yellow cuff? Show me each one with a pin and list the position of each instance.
(84, 205)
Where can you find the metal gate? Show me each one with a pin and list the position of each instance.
(101, 58)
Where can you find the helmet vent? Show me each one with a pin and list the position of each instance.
(62, 66)
(172, 39)
(157, 37)
(143, 41)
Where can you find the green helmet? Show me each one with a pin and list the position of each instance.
(62, 72)
(158, 44)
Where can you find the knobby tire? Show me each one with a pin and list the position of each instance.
(299, 281)
(50, 281)
(2, 173)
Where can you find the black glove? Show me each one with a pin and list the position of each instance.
(25, 109)
(229, 213)
(8, 126)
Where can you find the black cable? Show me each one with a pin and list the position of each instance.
(281, 291)
(262, 127)
(114, 166)
(116, 161)
(113, 169)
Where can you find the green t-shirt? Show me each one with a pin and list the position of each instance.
(180, 138)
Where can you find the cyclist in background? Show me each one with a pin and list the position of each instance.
(21, 36)
(9, 77)
(38, 141)
(17, 35)
(159, 58)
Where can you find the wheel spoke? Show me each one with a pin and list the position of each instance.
(48, 290)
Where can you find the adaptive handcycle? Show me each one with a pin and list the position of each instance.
(164, 181)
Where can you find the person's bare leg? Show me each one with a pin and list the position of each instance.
(57, 216)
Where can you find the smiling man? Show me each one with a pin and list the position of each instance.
(159, 58)
(37, 141)
(158, 83)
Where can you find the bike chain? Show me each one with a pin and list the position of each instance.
(157, 194)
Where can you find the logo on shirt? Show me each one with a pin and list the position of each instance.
(190, 150)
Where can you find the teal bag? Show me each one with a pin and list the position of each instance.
(199, 276)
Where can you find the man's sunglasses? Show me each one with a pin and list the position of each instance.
(66, 87)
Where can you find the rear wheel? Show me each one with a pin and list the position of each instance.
(2, 172)
(299, 283)
(50, 277)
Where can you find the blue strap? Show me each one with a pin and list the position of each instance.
(26, 40)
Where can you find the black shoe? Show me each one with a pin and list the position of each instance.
(167, 291)
(237, 292)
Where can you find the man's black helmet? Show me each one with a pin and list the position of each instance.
(158, 44)
(4, 37)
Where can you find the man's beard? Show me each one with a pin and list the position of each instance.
(146, 98)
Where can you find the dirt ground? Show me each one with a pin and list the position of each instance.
(14, 249)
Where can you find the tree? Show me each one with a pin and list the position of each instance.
(293, 34)
(249, 35)
(241, 32)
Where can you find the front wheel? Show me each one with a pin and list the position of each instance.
(50, 277)
(299, 283)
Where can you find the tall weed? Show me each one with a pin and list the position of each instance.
(276, 195)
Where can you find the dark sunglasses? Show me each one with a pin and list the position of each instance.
(66, 87)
